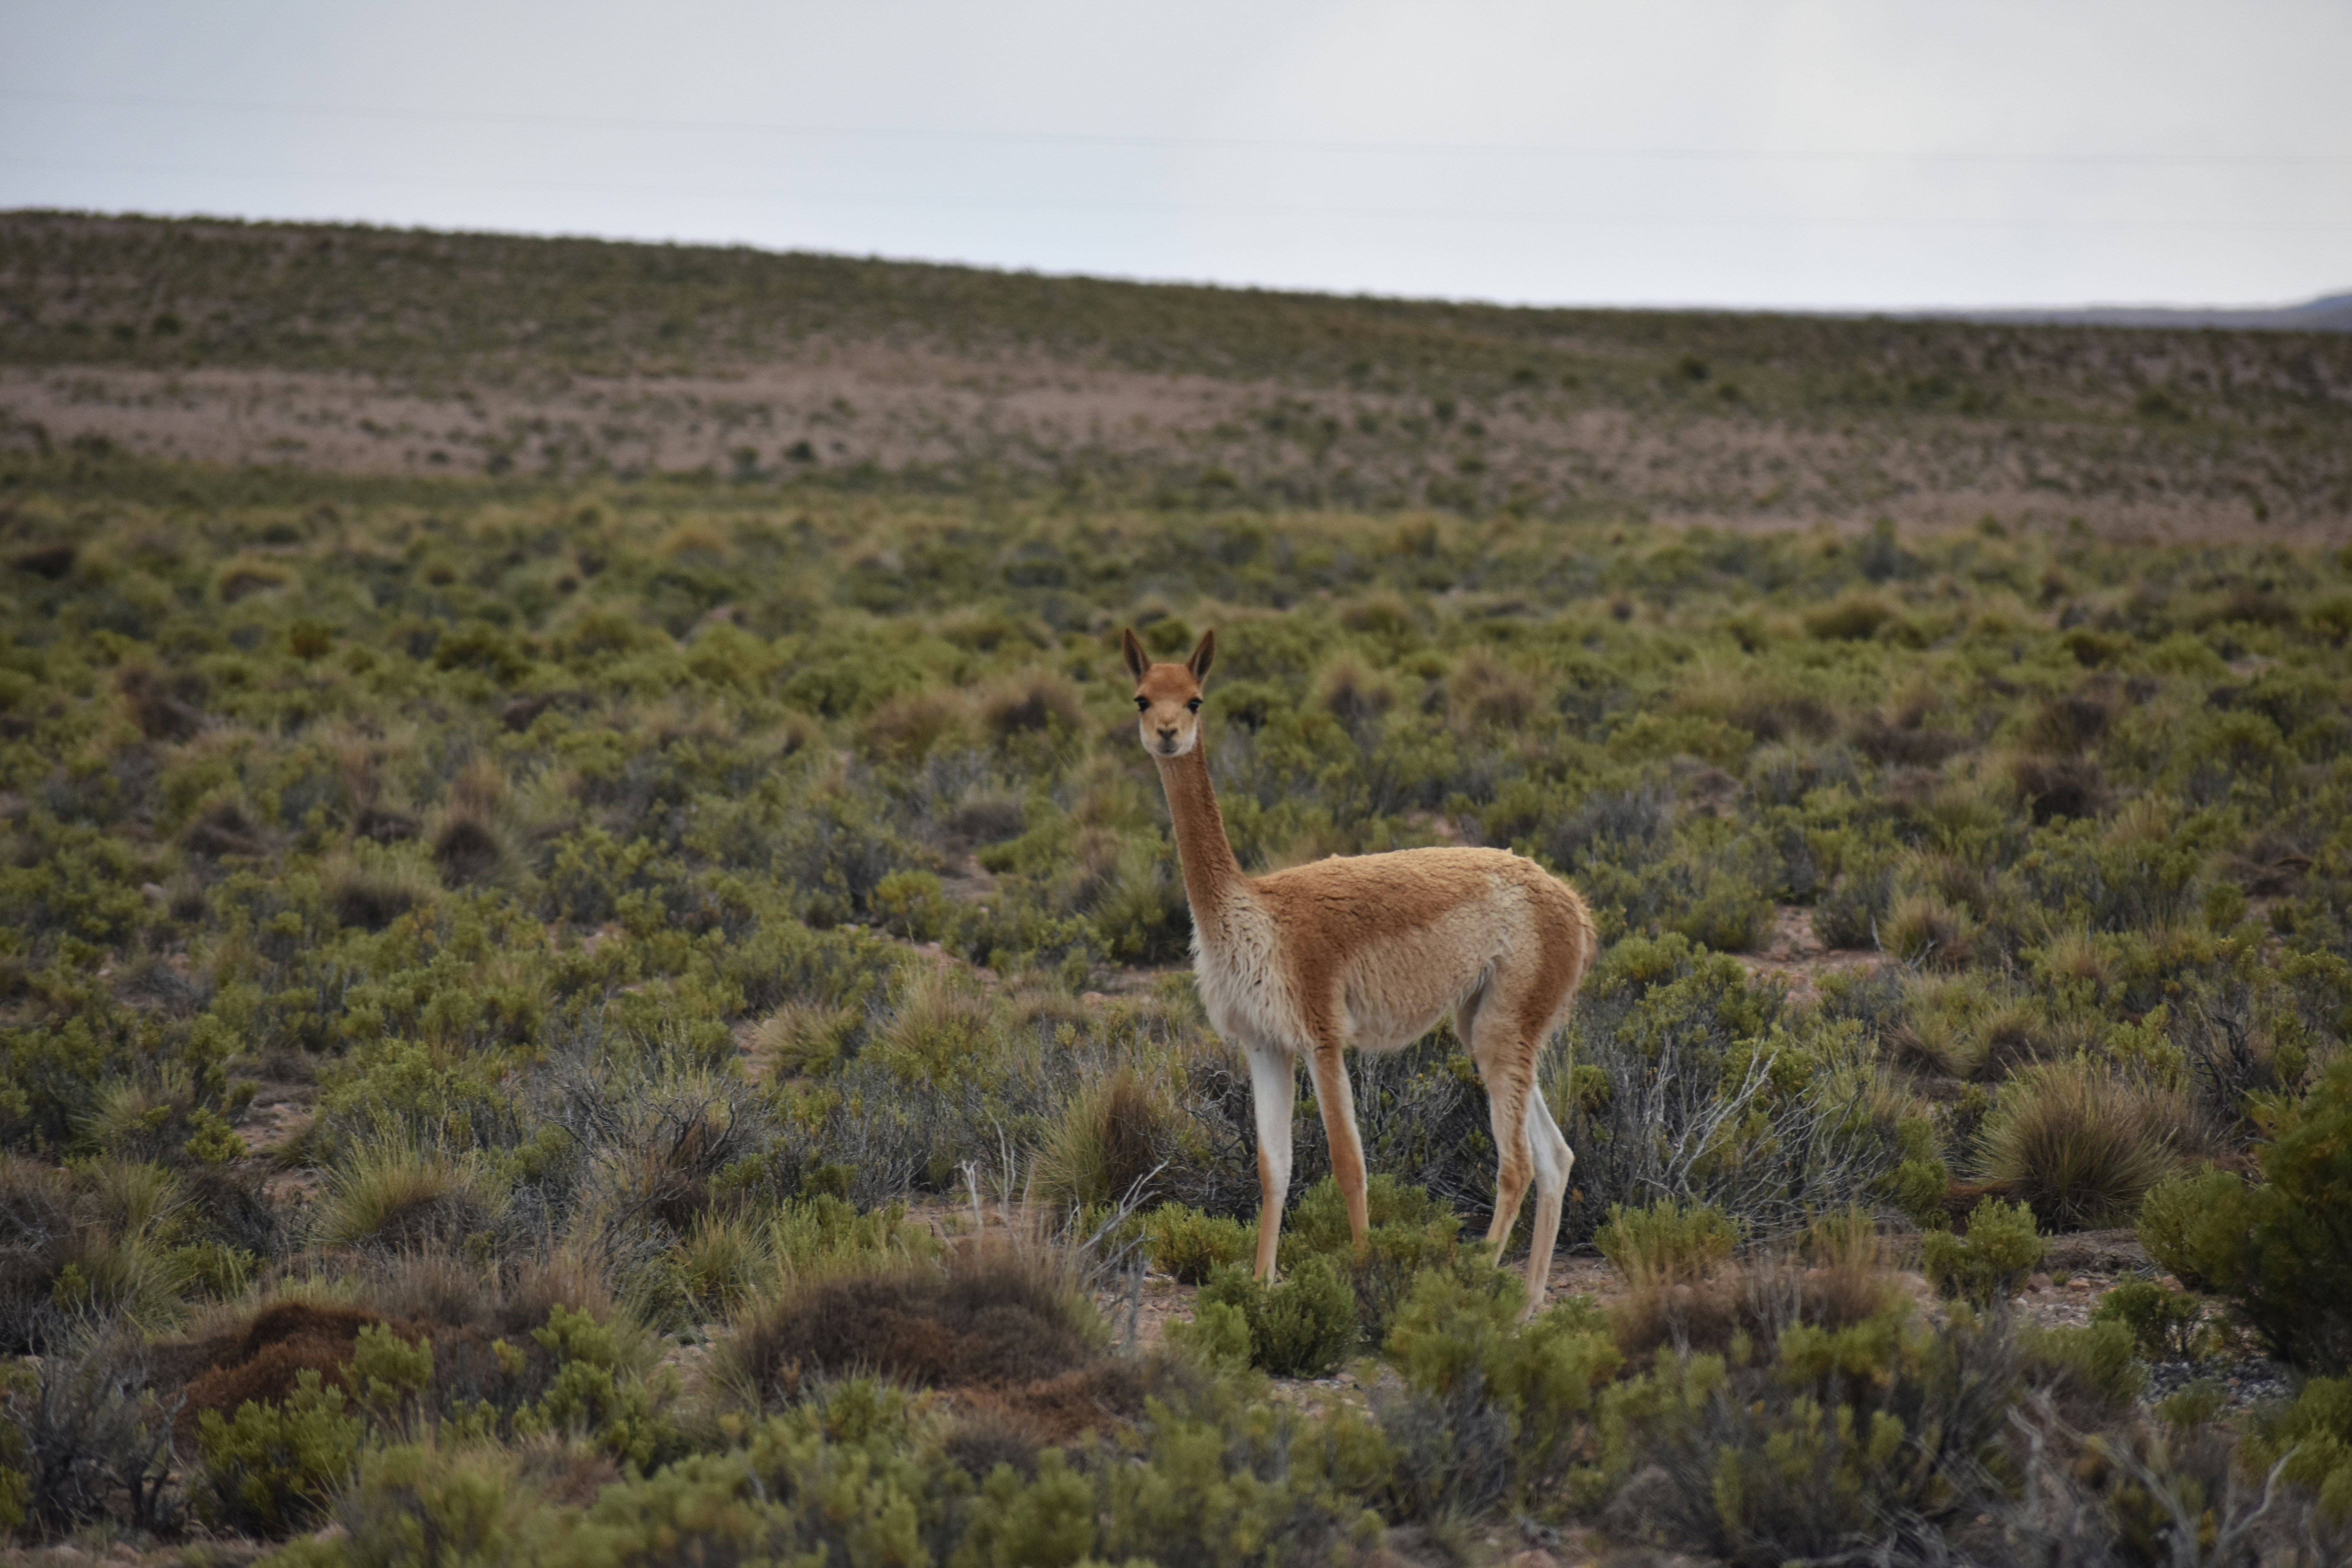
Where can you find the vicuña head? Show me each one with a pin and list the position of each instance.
(1368, 953)
(1168, 696)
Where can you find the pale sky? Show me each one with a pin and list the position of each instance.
(1840, 155)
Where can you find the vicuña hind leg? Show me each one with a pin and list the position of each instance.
(1554, 1161)
(1336, 1098)
(1509, 1084)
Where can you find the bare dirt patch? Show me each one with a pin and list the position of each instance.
(1797, 958)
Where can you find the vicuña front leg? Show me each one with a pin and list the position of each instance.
(1338, 1099)
(1274, 1091)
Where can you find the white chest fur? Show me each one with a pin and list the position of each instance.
(1244, 987)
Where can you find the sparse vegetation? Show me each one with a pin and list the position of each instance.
(527, 1003)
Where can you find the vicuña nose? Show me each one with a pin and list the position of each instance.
(1167, 732)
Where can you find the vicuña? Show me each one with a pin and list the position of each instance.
(1369, 951)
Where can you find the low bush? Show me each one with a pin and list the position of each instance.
(1407, 1232)
(2164, 1324)
(1666, 1243)
(2092, 1367)
(1988, 1262)
(274, 1467)
(2309, 1440)
(2277, 1250)
(1303, 1325)
(1189, 1245)
(1495, 1410)
(85, 1439)
(1883, 1437)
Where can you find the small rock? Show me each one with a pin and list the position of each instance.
(152, 892)
(2078, 1283)
(2039, 1282)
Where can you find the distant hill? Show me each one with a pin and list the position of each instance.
(2329, 313)
(390, 352)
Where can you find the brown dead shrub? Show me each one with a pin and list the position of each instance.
(224, 829)
(1907, 742)
(996, 1316)
(164, 707)
(2053, 788)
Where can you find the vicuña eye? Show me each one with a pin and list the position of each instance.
(1142, 703)
(1194, 705)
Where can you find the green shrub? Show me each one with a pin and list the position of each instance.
(2276, 1250)
(823, 1235)
(1302, 1326)
(272, 1468)
(1407, 1231)
(2312, 1439)
(1189, 1245)
(596, 1397)
(1665, 1242)
(1819, 1441)
(415, 1505)
(2164, 1324)
(1218, 1335)
(2097, 1359)
(1989, 1263)
(1472, 1367)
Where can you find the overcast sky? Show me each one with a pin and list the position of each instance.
(1691, 152)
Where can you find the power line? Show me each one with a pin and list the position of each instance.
(923, 133)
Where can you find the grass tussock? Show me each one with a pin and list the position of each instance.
(2082, 1144)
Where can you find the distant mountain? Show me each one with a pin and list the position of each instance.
(2329, 313)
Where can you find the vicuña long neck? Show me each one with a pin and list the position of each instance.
(1211, 874)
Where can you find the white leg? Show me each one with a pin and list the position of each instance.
(1554, 1160)
(1273, 1090)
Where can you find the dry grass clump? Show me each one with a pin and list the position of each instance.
(2074, 722)
(390, 1196)
(1924, 930)
(909, 728)
(164, 705)
(223, 829)
(1485, 693)
(1834, 1277)
(468, 843)
(2082, 1145)
(1855, 617)
(370, 894)
(1112, 1139)
(802, 1038)
(1353, 692)
(1037, 703)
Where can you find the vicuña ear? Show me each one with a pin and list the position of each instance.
(1137, 663)
(1203, 655)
